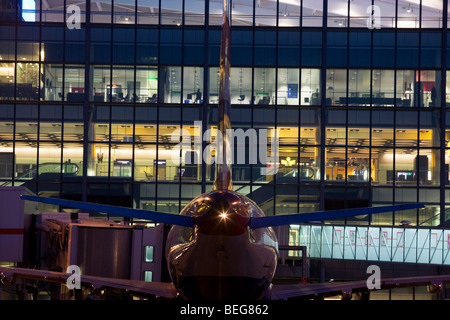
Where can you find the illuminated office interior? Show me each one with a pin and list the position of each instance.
(361, 113)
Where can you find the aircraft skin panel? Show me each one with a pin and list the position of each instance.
(235, 257)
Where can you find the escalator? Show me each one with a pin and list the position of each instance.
(47, 171)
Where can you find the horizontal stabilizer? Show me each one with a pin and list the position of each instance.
(175, 219)
(271, 221)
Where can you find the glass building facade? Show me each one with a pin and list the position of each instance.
(91, 111)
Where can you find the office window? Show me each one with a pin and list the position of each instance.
(266, 13)
(7, 42)
(288, 86)
(50, 13)
(101, 11)
(193, 85)
(382, 128)
(98, 159)
(172, 12)
(406, 130)
(52, 80)
(383, 49)
(358, 13)
(406, 88)
(387, 14)
(7, 81)
(101, 83)
(215, 12)
(337, 14)
(241, 47)
(121, 156)
(28, 51)
(335, 165)
(312, 13)
(310, 87)
(170, 46)
(407, 49)
(147, 11)
(241, 85)
(265, 47)
(429, 128)
(383, 87)
(75, 45)
(289, 14)
(408, 14)
(123, 45)
(288, 47)
(194, 12)
(100, 45)
(74, 83)
(25, 160)
(311, 49)
(310, 127)
(336, 87)
(360, 49)
(52, 44)
(242, 13)
(147, 46)
(447, 90)
(358, 129)
(122, 88)
(145, 168)
(146, 85)
(194, 49)
(124, 13)
(337, 48)
(264, 89)
(383, 166)
(72, 159)
(430, 85)
(73, 123)
(359, 87)
(27, 81)
(431, 50)
(82, 5)
(170, 85)
(214, 85)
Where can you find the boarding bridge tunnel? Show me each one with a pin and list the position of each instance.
(420, 245)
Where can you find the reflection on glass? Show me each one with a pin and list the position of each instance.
(312, 13)
(408, 14)
(148, 11)
(146, 85)
(242, 13)
(101, 11)
(171, 12)
(289, 15)
(266, 13)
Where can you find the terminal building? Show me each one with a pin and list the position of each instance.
(92, 92)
